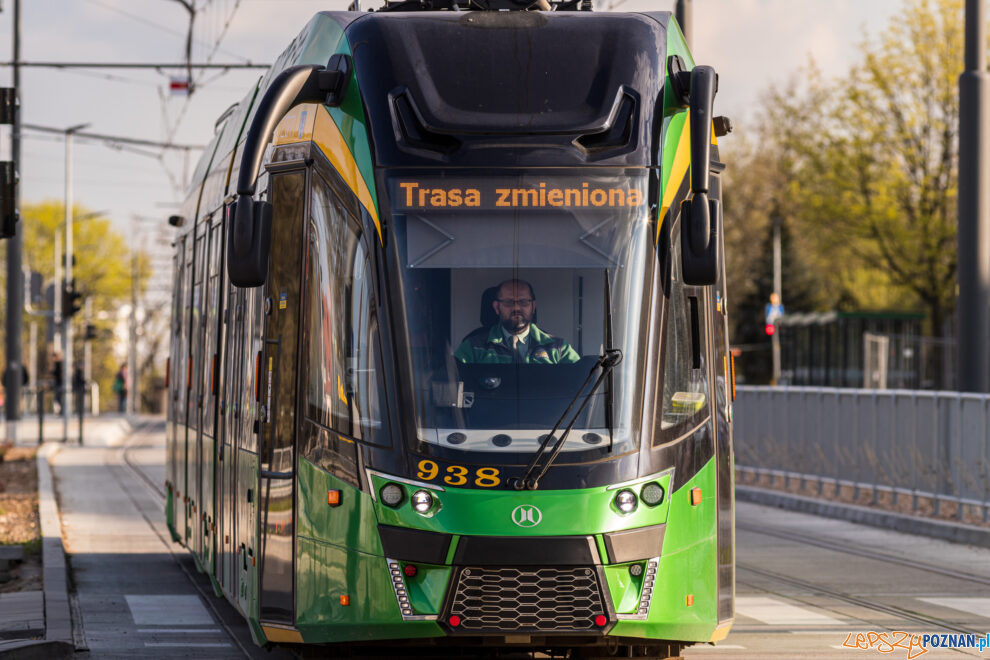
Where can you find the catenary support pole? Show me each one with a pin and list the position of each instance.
(683, 13)
(68, 365)
(973, 305)
(15, 289)
(776, 299)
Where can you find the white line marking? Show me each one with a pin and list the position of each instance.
(726, 646)
(188, 645)
(168, 611)
(781, 613)
(212, 631)
(977, 606)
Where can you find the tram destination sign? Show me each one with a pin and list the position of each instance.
(532, 192)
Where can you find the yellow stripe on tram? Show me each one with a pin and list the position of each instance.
(682, 159)
(331, 142)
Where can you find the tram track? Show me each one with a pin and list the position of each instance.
(124, 461)
(858, 601)
(866, 553)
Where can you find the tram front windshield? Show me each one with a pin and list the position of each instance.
(514, 285)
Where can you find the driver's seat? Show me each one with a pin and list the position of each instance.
(487, 314)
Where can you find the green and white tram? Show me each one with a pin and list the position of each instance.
(449, 360)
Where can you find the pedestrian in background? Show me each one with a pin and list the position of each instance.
(58, 380)
(120, 388)
(79, 386)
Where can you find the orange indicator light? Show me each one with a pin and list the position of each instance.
(333, 497)
(689, 601)
(345, 600)
(695, 496)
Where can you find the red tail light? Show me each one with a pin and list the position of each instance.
(410, 570)
(601, 620)
(454, 620)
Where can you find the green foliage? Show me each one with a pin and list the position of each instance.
(102, 272)
(864, 169)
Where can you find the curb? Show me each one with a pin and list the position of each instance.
(36, 649)
(947, 531)
(58, 619)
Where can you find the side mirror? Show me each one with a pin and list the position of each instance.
(699, 215)
(248, 240)
(250, 222)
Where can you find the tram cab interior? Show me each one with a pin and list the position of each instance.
(588, 272)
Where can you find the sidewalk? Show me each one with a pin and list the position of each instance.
(106, 429)
(38, 624)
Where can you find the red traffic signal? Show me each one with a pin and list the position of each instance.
(770, 328)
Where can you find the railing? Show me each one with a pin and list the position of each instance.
(933, 447)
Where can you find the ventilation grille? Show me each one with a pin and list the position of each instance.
(527, 599)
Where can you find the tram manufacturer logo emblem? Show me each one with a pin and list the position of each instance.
(526, 515)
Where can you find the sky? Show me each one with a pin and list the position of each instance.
(752, 44)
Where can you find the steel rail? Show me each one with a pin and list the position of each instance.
(147, 482)
(860, 551)
(858, 601)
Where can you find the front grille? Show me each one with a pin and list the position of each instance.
(527, 599)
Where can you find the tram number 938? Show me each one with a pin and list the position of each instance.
(458, 475)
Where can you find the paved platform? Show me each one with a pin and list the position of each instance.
(102, 429)
(22, 615)
(806, 586)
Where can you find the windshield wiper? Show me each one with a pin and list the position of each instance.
(606, 362)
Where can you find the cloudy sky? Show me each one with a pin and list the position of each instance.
(751, 43)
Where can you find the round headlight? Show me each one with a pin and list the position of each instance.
(652, 493)
(392, 495)
(422, 501)
(625, 500)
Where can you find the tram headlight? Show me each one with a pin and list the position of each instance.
(422, 501)
(625, 501)
(652, 494)
(392, 495)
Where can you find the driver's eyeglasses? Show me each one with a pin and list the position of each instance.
(509, 302)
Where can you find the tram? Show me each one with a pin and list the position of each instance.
(448, 363)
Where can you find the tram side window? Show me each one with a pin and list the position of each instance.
(685, 373)
(344, 374)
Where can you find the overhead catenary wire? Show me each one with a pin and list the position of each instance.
(139, 65)
(120, 139)
(157, 26)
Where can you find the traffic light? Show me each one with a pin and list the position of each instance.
(8, 209)
(71, 302)
(8, 169)
(770, 329)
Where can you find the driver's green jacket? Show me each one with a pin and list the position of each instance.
(541, 348)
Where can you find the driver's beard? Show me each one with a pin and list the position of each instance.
(514, 327)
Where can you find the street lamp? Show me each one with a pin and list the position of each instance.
(67, 363)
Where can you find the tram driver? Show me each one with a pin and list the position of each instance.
(514, 338)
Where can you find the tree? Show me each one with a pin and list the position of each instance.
(102, 271)
(874, 172)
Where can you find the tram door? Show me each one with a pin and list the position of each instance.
(279, 365)
(190, 487)
(723, 427)
(176, 381)
(212, 300)
(230, 411)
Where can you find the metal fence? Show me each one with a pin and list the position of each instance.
(931, 446)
